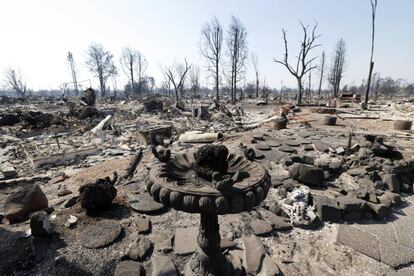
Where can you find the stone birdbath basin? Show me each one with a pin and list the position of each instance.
(211, 182)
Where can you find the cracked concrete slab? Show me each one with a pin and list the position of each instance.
(358, 240)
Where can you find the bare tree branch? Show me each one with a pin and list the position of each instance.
(15, 82)
(303, 64)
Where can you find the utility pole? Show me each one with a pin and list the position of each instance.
(72, 68)
(321, 79)
(371, 64)
(310, 83)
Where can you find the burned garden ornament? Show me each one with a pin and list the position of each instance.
(210, 182)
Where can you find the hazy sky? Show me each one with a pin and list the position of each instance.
(36, 35)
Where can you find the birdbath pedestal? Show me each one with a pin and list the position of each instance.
(186, 184)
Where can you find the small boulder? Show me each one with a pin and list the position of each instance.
(348, 203)
(128, 268)
(307, 174)
(393, 183)
(21, 204)
(163, 266)
(40, 225)
(327, 208)
(140, 249)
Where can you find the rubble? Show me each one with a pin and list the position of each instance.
(21, 204)
(360, 173)
(40, 225)
(99, 195)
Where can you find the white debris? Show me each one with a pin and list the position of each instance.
(296, 206)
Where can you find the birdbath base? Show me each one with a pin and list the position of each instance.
(208, 259)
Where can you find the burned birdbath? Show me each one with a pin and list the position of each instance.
(210, 182)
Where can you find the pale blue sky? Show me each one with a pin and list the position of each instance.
(36, 35)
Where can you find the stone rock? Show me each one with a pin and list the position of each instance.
(393, 183)
(322, 163)
(327, 208)
(364, 153)
(273, 143)
(357, 171)
(262, 146)
(185, 241)
(395, 198)
(287, 161)
(64, 192)
(320, 146)
(163, 266)
(227, 244)
(260, 227)
(256, 261)
(40, 225)
(21, 204)
(292, 143)
(140, 249)
(385, 200)
(380, 210)
(144, 225)
(307, 159)
(307, 174)
(288, 149)
(277, 222)
(254, 254)
(276, 209)
(99, 195)
(145, 204)
(335, 164)
(99, 234)
(348, 203)
(275, 155)
(128, 268)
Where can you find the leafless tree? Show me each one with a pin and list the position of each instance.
(195, 79)
(371, 64)
(100, 63)
(71, 63)
(256, 71)
(321, 70)
(237, 53)
(16, 82)
(211, 47)
(303, 62)
(176, 74)
(129, 64)
(338, 66)
(134, 65)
